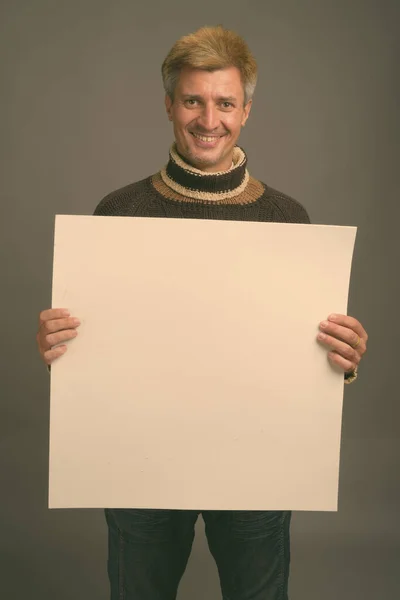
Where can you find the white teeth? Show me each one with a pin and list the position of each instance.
(204, 138)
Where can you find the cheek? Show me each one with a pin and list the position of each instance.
(234, 121)
(178, 128)
(181, 119)
(233, 125)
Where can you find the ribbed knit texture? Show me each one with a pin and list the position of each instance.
(230, 195)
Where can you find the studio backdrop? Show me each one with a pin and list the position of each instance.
(82, 114)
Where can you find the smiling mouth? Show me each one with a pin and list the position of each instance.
(206, 138)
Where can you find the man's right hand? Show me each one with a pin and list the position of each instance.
(55, 326)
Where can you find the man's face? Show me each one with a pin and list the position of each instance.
(207, 114)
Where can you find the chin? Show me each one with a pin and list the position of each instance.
(203, 159)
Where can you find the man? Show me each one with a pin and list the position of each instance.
(209, 79)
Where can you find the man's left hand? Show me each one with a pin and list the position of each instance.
(347, 340)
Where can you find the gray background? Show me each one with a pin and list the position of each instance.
(82, 114)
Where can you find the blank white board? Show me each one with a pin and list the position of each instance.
(196, 380)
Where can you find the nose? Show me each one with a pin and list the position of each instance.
(208, 118)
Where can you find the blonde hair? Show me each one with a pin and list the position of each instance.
(210, 49)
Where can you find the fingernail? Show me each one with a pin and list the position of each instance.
(76, 322)
(321, 336)
(65, 313)
(324, 324)
(333, 317)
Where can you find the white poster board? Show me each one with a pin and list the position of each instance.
(196, 380)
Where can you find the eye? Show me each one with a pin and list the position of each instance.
(191, 102)
(227, 105)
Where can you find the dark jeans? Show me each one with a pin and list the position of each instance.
(149, 551)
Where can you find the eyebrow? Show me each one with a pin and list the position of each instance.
(220, 98)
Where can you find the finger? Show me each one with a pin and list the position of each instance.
(345, 334)
(341, 362)
(341, 348)
(53, 313)
(50, 355)
(349, 323)
(55, 325)
(60, 336)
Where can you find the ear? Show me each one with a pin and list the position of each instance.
(168, 106)
(246, 112)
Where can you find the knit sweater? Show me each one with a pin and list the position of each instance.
(181, 191)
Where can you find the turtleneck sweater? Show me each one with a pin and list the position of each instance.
(182, 191)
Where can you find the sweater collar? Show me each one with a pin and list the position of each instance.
(193, 183)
